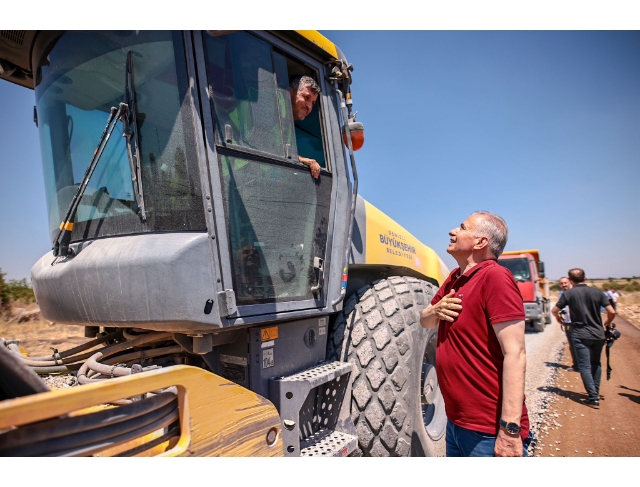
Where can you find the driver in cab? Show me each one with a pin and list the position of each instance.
(304, 94)
(251, 283)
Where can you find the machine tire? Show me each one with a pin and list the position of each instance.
(391, 354)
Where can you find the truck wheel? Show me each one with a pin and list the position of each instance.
(547, 313)
(396, 404)
(538, 325)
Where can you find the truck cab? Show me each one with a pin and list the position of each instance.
(528, 271)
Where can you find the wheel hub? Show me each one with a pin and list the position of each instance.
(433, 414)
(430, 384)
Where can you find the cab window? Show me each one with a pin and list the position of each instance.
(276, 212)
(249, 85)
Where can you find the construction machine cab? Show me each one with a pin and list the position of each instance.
(207, 177)
(184, 223)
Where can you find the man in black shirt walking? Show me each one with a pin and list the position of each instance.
(565, 284)
(587, 330)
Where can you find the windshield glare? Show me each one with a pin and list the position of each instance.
(518, 267)
(83, 78)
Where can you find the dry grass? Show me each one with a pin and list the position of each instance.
(629, 299)
(629, 308)
(38, 336)
(600, 282)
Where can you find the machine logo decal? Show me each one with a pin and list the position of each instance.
(388, 243)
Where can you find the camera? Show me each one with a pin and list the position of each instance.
(611, 335)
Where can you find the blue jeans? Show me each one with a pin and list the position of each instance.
(588, 352)
(462, 442)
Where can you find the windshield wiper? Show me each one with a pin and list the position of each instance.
(126, 113)
(63, 237)
(129, 120)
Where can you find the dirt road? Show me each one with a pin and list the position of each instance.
(570, 429)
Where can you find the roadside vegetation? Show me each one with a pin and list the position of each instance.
(14, 291)
(622, 285)
(630, 286)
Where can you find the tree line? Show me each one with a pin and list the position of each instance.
(631, 286)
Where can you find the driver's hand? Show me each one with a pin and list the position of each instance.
(313, 165)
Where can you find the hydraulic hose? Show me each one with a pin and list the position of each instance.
(129, 334)
(116, 371)
(58, 369)
(141, 354)
(57, 427)
(62, 362)
(93, 370)
(112, 371)
(173, 432)
(118, 440)
(80, 348)
(47, 363)
(42, 367)
(95, 439)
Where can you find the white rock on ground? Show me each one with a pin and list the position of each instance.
(544, 355)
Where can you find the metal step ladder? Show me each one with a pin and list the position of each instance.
(314, 406)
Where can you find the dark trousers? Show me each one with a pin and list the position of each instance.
(588, 352)
(572, 349)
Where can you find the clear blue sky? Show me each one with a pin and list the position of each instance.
(542, 128)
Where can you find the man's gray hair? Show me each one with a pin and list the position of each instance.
(298, 82)
(495, 229)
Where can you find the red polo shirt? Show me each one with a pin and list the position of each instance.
(469, 357)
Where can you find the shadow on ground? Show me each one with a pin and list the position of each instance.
(556, 365)
(574, 396)
(632, 397)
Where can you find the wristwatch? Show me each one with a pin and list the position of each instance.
(512, 428)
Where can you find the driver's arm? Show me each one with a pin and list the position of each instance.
(312, 164)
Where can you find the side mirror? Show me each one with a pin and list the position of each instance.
(541, 269)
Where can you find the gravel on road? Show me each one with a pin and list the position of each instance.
(544, 354)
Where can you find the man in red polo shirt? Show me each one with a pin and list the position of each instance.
(480, 358)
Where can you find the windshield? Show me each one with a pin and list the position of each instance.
(518, 267)
(82, 77)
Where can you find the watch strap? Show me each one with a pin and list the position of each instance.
(512, 428)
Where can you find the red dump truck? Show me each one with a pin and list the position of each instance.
(528, 270)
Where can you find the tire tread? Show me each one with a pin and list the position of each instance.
(375, 332)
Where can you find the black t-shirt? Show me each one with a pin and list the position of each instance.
(584, 303)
